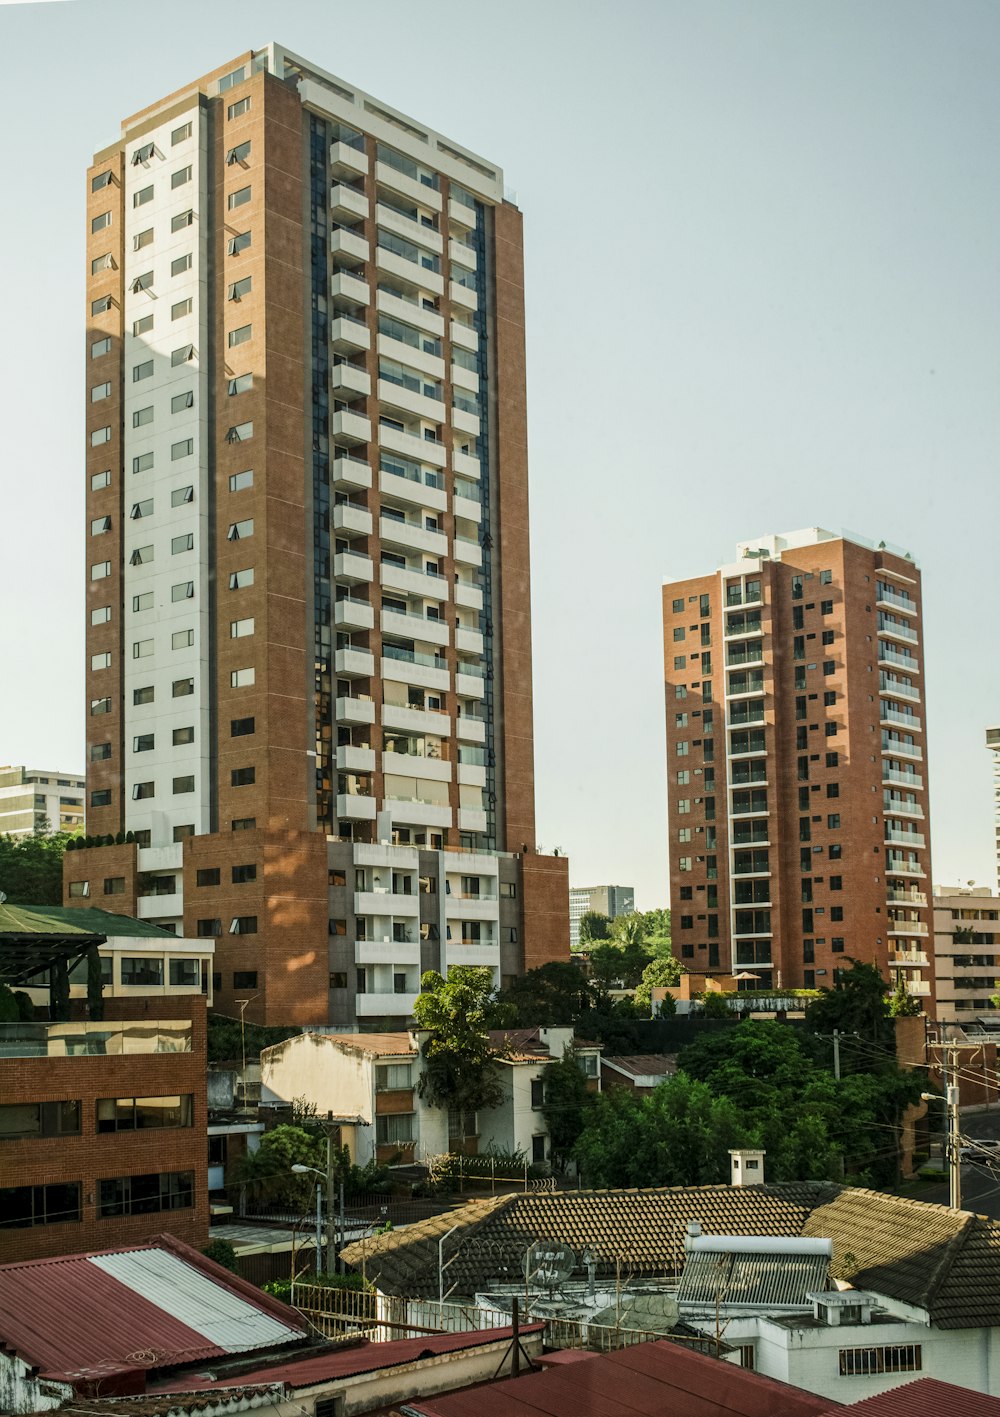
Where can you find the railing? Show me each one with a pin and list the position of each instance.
(411, 656)
(411, 471)
(899, 602)
(901, 661)
(79, 1040)
(895, 630)
(464, 666)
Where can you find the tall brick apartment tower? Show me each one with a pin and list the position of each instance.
(797, 792)
(308, 635)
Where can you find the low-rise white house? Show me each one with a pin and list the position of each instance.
(370, 1081)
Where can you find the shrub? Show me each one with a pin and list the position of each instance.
(222, 1252)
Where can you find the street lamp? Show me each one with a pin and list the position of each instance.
(329, 1176)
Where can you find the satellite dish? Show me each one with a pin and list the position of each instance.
(548, 1263)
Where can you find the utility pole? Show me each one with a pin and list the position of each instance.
(836, 1053)
(954, 1148)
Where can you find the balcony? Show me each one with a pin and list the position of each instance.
(160, 907)
(375, 1005)
(737, 659)
(413, 582)
(351, 520)
(470, 597)
(470, 729)
(348, 248)
(894, 895)
(462, 296)
(350, 288)
(471, 510)
(412, 812)
(466, 465)
(468, 641)
(410, 187)
(408, 667)
(914, 928)
(411, 273)
(415, 627)
(411, 312)
(381, 902)
(893, 748)
(469, 684)
(890, 686)
(351, 806)
(406, 486)
(911, 958)
(414, 720)
(352, 568)
(464, 421)
(354, 711)
(347, 379)
(160, 858)
(351, 759)
(914, 840)
(909, 721)
(471, 775)
(889, 658)
(351, 474)
(888, 600)
(912, 780)
(467, 552)
(907, 868)
(354, 663)
(896, 807)
(892, 630)
(411, 536)
(918, 988)
(461, 214)
(348, 335)
(346, 426)
(412, 445)
(94, 1040)
(345, 158)
(471, 907)
(347, 203)
(414, 231)
(430, 769)
(423, 401)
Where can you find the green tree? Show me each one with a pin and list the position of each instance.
(554, 993)
(594, 926)
(460, 1069)
(902, 1004)
(629, 929)
(31, 867)
(222, 1252)
(267, 1172)
(715, 1005)
(565, 1105)
(679, 1135)
(857, 1004)
(657, 974)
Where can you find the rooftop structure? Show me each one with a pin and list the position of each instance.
(39, 799)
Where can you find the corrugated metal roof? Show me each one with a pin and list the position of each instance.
(73, 1316)
(221, 1317)
(926, 1397)
(764, 1280)
(646, 1380)
(343, 1362)
(69, 920)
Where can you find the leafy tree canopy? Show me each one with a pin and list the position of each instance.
(31, 867)
(460, 1070)
(594, 926)
(857, 1004)
(566, 1104)
(658, 973)
(554, 993)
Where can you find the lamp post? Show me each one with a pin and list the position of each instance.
(329, 1176)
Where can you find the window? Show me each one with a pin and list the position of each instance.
(185, 542)
(180, 264)
(236, 110)
(102, 797)
(244, 824)
(142, 463)
(99, 436)
(101, 222)
(833, 821)
(185, 974)
(239, 288)
(142, 509)
(178, 178)
(143, 743)
(142, 649)
(836, 883)
(240, 336)
(25, 1206)
(182, 639)
(241, 727)
(243, 925)
(240, 198)
(827, 637)
(896, 1358)
(181, 495)
(832, 760)
(240, 629)
(181, 220)
(243, 777)
(243, 875)
(100, 525)
(181, 688)
(239, 243)
(143, 790)
(101, 615)
(99, 392)
(239, 580)
(143, 325)
(142, 416)
(142, 371)
(242, 384)
(99, 570)
(181, 785)
(241, 678)
(181, 308)
(184, 590)
(179, 134)
(142, 238)
(239, 481)
(238, 154)
(138, 1114)
(209, 876)
(99, 347)
(143, 154)
(102, 304)
(103, 179)
(207, 928)
(39, 1119)
(829, 666)
(79, 889)
(825, 577)
(147, 1194)
(239, 531)
(239, 433)
(143, 695)
(835, 851)
(114, 885)
(181, 355)
(102, 263)
(100, 661)
(537, 1094)
(141, 283)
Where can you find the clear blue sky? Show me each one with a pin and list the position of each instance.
(763, 268)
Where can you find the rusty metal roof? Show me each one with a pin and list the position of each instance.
(81, 1317)
(645, 1380)
(926, 1397)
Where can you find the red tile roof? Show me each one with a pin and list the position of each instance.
(347, 1362)
(926, 1397)
(645, 1380)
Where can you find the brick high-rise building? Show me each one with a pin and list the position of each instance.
(797, 792)
(308, 639)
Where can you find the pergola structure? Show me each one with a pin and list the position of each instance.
(49, 941)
